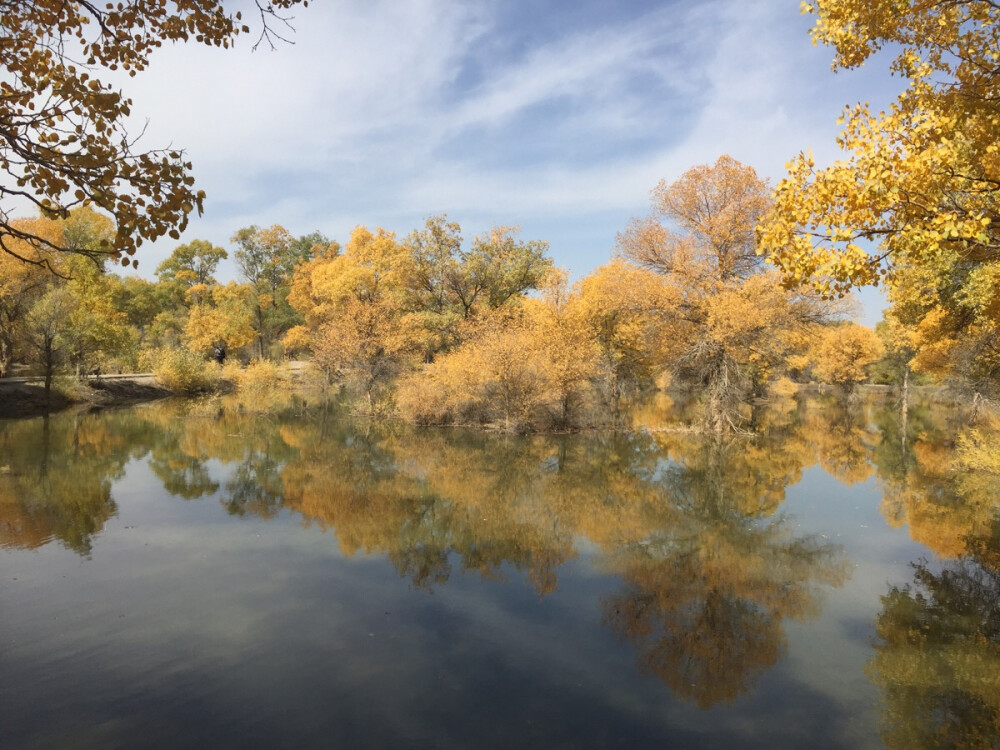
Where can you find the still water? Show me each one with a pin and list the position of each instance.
(193, 574)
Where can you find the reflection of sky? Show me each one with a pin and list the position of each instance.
(561, 117)
(188, 622)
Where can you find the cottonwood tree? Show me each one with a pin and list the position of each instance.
(191, 265)
(845, 353)
(915, 205)
(731, 322)
(21, 284)
(351, 302)
(267, 259)
(448, 284)
(64, 139)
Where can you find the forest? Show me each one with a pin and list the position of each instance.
(729, 289)
(438, 330)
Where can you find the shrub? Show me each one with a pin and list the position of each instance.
(184, 371)
(783, 387)
(258, 377)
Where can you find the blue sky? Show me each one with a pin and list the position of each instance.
(556, 116)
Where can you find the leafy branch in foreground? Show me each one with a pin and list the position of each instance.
(64, 141)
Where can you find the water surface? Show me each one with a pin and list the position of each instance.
(190, 572)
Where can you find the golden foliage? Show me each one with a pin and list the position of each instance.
(185, 371)
(844, 354)
(65, 140)
(226, 322)
(914, 203)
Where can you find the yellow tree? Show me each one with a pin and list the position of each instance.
(730, 324)
(352, 303)
(619, 306)
(515, 369)
(21, 284)
(844, 354)
(570, 354)
(225, 325)
(76, 322)
(915, 203)
(65, 141)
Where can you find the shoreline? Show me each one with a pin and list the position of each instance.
(22, 399)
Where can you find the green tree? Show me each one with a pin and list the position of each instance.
(192, 265)
(49, 330)
(267, 259)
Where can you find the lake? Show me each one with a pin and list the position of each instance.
(193, 573)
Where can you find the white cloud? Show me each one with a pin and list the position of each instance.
(384, 112)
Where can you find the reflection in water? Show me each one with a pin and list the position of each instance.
(937, 656)
(711, 579)
(923, 487)
(56, 477)
(710, 567)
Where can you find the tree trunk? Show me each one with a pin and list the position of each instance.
(48, 357)
(5, 356)
(904, 405)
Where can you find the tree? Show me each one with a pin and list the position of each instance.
(265, 256)
(21, 284)
(712, 212)
(192, 265)
(845, 353)
(620, 306)
(48, 324)
(352, 303)
(916, 202)
(434, 274)
(64, 140)
(731, 324)
(225, 325)
(267, 259)
(97, 329)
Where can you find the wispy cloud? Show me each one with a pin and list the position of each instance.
(559, 116)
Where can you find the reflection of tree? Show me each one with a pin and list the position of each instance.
(255, 487)
(191, 434)
(937, 656)
(425, 497)
(708, 584)
(839, 431)
(182, 476)
(922, 485)
(57, 476)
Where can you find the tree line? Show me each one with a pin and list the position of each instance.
(444, 331)
(726, 286)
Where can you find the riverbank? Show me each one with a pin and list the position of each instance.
(22, 398)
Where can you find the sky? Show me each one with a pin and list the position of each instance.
(554, 115)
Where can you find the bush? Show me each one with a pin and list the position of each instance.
(260, 376)
(184, 371)
(783, 387)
